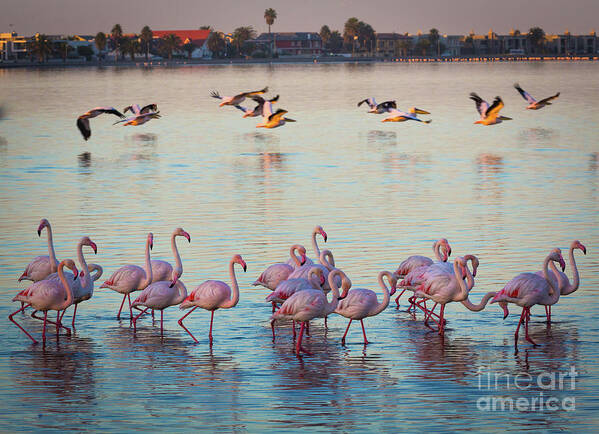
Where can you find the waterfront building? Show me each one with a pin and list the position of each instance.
(299, 44)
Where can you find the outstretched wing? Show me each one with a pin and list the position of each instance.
(527, 96)
(252, 93)
(258, 99)
(494, 109)
(276, 116)
(276, 98)
(215, 94)
(370, 101)
(243, 109)
(549, 98)
(387, 105)
(148, 108)
(481, 105)
(112, 111)
(83, 125)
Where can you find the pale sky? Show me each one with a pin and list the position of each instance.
(449, 16)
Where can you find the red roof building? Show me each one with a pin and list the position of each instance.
(196, 37)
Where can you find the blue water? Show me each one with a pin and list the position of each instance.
(382, 191)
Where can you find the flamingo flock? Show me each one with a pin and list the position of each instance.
(302, 289)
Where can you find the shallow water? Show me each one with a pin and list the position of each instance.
(382, 191)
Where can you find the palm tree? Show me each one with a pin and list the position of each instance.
(325, 35)
(170, 43)
(433, 37)
(116, 34)
(40, 46)
(241, 35)
(206, 28)
(336, 41)
(100, 41)
(146, 37)
(350, 30)
(189, 48)
(536, 36)
(366, 35)
(217, 43)
(270, 15)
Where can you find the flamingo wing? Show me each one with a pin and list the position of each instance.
(493, 110)
(148, 108)
(252, 93)
(527, 96)
(84, 128)
(548, 99)
(370, 101)
(481, 105)
(276, 116)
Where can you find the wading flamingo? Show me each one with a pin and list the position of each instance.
(162, 270)
(378, 109)
(83, 120)
(214, 294)
(48, 294)
(308, 304)
(276, 273)
(41, 267)
(361, 303)
(489, 114)
(533, 104)
(131, 278)
(528, 289)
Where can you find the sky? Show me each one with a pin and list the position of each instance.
(449, 16)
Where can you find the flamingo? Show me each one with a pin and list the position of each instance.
(308, 304)
(259, 109)
(136, 110)
(273, 120)
(533, 104)
(82, 288)
(378, 109)
(287, 288)
(212, 295)
(489, 115)
(48, 294)
(131, 278)
(565, 287)
(528, 289)
(401, 116)
(237, 99)
(162, 270)
(139, 119)
(83, 120)
(276, 273)
(41, 267)
(361, 303)
(318, 230)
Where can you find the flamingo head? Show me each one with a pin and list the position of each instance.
(393, 281)
(86, 241)
(181, 233)
(69, 263)
(239, 260)
(578, 245)
(320, 230)
(475, 263)
(302, 252)
(506, 312)
(175, 277)
(318, 271)
(556, 256)
(151, 240)
(43, 224)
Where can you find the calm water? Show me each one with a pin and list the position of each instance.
(382, 192)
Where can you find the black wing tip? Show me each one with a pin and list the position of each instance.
(276, 98)
(215, 94)
(362, 102)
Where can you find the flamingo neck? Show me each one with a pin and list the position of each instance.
(326, 259)
(464, 288)
(51, 252)
(332, 305)
(576, 280)
(86, 281)
(480, 306)
(292, 251)
(313, 278)
(234, 286)
(552, 288)
(315, 244)
(382, 305)
(148, 266)
(437, 250)
(178, 264)
(67, 288)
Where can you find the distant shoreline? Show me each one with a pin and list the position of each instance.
(294, 60)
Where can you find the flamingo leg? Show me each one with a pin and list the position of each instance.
(364, 332)
(522, 316)
(308, 329)
(442, 321)
(298, 346)
(161, 321)
(118, 315)
(398, 297)
(274, 307)
(210, 333)
(548, 314)
(130, 309)
(10, 317)
(74, 315)
(325, 323)
(272, 326)
(44, 329)
(68, 330)
(136, 318)
(58, 323)
(152, 314)
(346, 330)
(528, 338)
(293, 325)
(185, 328)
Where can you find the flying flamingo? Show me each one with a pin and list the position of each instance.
(564, 285)
(159, 296)
(378, 109)
(259, 109)
(83, 120)
(308, 304)
(361, 303)
(237, 99)
(416, 261)
(42, 266)
(528, 289)
(401, 116)
(48, 294)
(489, 114)
(162, 270)
(131, 278)
(276, 273)
(212, 295)
(533, 103)
(136, 110)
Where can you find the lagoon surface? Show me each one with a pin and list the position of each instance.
(382, 191)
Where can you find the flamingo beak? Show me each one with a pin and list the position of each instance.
(324, 235)
(583, 248)
(448, 250)
(186, 235)
(151, 245)
(39, 229)
(75, 273)
(343, 294)
(321, 280)
(303, 259)
(93, 246)
(244, 265)
(393, 289)
(562, 263)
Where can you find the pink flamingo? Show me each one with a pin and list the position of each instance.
(528, 289)
(48, 294)
(212, 295)
(159, 296)
(131, 278)
(361, 303)
(565, 287)
(276, 273)
(308, 304)
(42, 266)
(318, 230)
(416, 261)
(162, 270)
